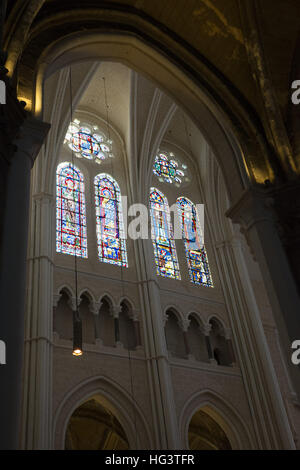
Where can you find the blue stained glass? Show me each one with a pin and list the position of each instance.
(71, 233)
(109, 221)
(86, 144)
(167, 169)
(194, 248)
(162, 236)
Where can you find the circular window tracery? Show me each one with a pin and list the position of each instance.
(86, 141)
(169, 170)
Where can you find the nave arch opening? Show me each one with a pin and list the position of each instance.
(141, 120)
(206, 433)
(161, 97)
(94, 427)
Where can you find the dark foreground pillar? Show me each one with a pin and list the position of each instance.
(13, 276)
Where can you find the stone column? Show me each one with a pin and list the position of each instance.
(230, 350)
(255, 215)
(95, 311)
(184, 325)
(73, 304)
(270, 421)
(56, 298)
(13, 276)
(205, 330)
(37, 398)
(169, 437)
(136, 324)
(116, 312)
(12, 115)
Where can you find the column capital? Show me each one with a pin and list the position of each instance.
(31, 136)
(12, 115)
(227, 333)
(135, 314)
(235, 240)
(165, 318)
(95, 307)
(43, 197)
(72, 303)
(205, 329)
(254, 205)
(258, 214)
(184, 324)
(56, 298)
(116, 310)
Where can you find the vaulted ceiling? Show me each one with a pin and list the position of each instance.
(244, 53)
(219, 30)
(142, 114)
(157, 116)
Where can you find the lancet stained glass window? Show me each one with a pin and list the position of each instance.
(162, 236)
(109, 221)
(71, 233)
(193, 240)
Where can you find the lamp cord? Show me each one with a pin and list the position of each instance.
(122, 273)
(77, 317)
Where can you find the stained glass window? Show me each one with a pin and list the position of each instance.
(71, 234)
(167, 169)
(109, 221)
(87, 141)
(162, 236)
(193, 240)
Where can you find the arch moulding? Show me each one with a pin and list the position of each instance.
(116, 400)
(222, 412)
(202, 109)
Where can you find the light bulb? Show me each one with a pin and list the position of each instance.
(77, 352)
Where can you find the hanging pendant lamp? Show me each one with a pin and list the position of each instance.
(77, 335)
(77, 323)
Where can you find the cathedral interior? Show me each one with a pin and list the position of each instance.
(118, 334)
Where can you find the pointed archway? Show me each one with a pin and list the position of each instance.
(205, 433)
(93, 426)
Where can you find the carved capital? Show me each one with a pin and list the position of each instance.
(165, 318)
(255, 205)
(31, 137)
(72, 303)
(184, 324)
(227, 333)
(56, 298)
(205, 329)
(116, 310)
(135, 315)
(95, 307)
(43, 198)
(12, 116)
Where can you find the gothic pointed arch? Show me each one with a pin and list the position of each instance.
(195, 251)
(174, 334)
(63, 315)
(71, 230)
(162, 236)
(220, 410)
(116, 400)
(87, 317)
(109, 221)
